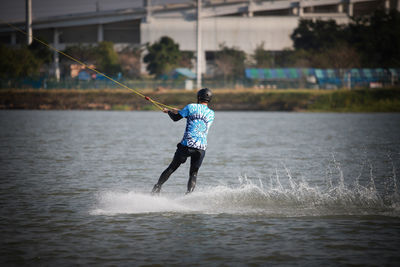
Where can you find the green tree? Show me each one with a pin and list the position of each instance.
(163, 56)
(299, 58)
(18, 63)
(371, 41)
(107, 59)
(130, 59)
(85, 53)
(341, 56)
(378, 38)
(103, 56)
(263, 58)
(186, 59)
(230, 62)
(318, 35)
(41, 52)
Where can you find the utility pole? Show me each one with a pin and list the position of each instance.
(147, 4)
(28, 21)
(56, 62)
(199, 51)
(349, 79)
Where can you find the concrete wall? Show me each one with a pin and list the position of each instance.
(245, 33)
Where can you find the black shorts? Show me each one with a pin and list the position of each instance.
(183, 152)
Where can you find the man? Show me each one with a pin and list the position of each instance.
(194, 143)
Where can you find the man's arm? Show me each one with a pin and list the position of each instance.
(174, 115)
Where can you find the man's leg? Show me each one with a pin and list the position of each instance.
(195, 163)
(178, 159)
(165, 175)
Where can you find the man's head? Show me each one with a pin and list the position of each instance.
(204, 95)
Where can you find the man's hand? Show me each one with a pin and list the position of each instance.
(174, 110)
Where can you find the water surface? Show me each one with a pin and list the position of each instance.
(274, 189)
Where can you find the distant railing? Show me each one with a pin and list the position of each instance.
(280, 78)
(323, 78)
(155, 84)
(91, 84)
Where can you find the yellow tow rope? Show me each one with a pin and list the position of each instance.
(157, 104)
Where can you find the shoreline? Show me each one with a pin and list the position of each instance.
(294, 100)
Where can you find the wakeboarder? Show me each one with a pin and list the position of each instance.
(194, 142)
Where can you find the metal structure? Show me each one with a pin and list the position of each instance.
(244, 24)
(28, 22)
(198, 50)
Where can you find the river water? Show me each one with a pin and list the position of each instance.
(275, 189)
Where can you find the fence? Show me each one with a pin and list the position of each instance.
(323, 78)
(43, 83)
(282, 78)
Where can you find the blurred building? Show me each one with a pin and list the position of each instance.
(244, 24)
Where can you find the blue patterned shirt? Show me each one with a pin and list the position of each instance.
(199, 119)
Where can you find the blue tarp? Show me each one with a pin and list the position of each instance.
(84, 76)
(324, 76)
(183, 72)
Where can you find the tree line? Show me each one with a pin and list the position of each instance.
(370, 42)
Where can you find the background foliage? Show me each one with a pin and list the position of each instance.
(371, 42)
(368, 42)
(163, 56)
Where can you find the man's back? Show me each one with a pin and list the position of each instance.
(199, 119)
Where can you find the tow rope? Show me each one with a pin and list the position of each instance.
(159, 105)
